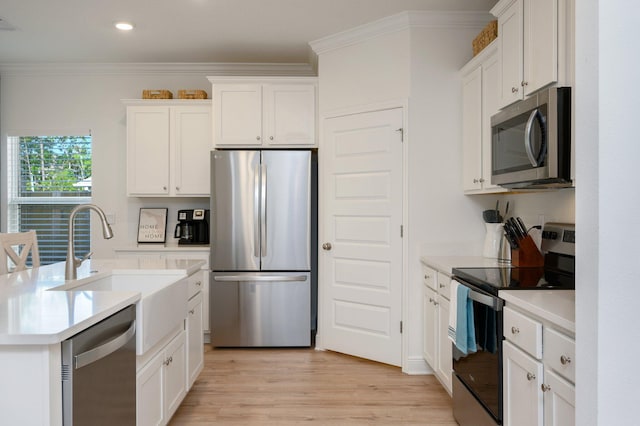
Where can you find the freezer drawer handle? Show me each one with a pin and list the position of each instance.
(102, 351)
(261, 278)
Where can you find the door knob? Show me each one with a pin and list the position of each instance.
(326, 246)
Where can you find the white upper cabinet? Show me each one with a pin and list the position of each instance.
(271, 113)
(480, 82)
(529, 39)
(168, 149)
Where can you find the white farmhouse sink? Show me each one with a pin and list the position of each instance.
(162, 306)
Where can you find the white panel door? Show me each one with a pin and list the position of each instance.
(362, 270)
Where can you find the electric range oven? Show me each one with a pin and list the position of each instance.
(477, 376)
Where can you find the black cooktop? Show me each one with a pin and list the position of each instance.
(512, 278)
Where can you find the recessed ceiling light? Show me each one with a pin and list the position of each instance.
(124, 26)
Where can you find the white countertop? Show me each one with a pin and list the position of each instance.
(32, 314)
(447, 263)
(164, 247)
(555, 306)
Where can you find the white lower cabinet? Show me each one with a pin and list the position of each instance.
(161, 383)
(538, 372)
(437, 351)
(195, 339)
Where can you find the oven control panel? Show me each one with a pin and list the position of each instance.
(559, 238)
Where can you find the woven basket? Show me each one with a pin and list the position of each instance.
(157, 94)
(192, 94)
(486, 36)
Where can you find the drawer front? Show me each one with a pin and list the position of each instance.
(196, 283)
(429, 277)
(523, 331)
(560, 354)
(444, 285)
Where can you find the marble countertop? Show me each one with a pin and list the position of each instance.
(33, 314)
(558, 307)
(447, 263)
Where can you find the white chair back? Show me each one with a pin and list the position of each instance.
(15, 247)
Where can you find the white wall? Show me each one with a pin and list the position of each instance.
(47, 99)
(607, 149)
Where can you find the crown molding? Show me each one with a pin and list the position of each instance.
(400, 22)
(213, 69)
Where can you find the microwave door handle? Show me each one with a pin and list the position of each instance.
(528, 142)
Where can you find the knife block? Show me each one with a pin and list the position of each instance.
(527, 254)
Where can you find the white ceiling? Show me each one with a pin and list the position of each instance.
(263, 31)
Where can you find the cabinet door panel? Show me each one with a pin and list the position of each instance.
(195, 340)
(237, 110)
(472, 130)
(510, 28)
(430, 326)
(147, 151)
(445, 356)
(289, 114)
(540, 44)
(559, 401)
(191, 133)
(175, 374)
(523, 400)
(149, 395)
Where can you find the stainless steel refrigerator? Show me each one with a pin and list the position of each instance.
(261, 248)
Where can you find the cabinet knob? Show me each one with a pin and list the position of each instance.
(198, 283)
(442, 286)
(257, 138)
(177, 188)
(514, 90)
(515, 330)
(192, 311)
(435, 303)
(531, 376)
(545, 388)
(164, 188)
(270, 137)
(426, 277)
(475, 181)
(481, 180)
(524, 83)
(564, 360)
(431, 299)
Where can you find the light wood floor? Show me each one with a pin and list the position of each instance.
(298, 386)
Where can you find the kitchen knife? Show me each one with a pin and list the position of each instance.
(515, 228)
(522, 226)
(509, 233)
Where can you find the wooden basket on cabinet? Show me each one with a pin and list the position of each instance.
(157, 94)
(486, 36)
(192, 94)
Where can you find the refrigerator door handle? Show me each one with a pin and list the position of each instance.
(256, 210)
(263, 212)
(281, 278)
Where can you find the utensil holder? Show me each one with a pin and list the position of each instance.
(527, 254)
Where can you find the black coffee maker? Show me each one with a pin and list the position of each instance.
(192, 227)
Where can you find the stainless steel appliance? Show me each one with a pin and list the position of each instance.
(261, 260)
(99, 373)
(192, 227)
(477, 378)
(531, 141)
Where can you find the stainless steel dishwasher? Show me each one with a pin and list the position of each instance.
(99, 373)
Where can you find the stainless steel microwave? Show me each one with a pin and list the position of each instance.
(531, 141)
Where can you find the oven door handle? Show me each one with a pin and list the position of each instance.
(494, 303)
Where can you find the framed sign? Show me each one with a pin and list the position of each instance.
(152, 225)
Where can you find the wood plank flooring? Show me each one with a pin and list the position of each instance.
(299, 386)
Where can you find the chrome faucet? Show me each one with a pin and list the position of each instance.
(72, 263)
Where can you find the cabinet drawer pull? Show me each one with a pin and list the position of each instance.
(545, 388)
(426, 277)
(531, 376)
(442, 286)
(515, 330)
(271, 138)
(514, 90)
(257, 138)
(198, 283)
(192, 311)
(564, 360)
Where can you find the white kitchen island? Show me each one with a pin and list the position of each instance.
(35, 318)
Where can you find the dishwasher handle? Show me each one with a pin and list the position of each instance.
(99, 352)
